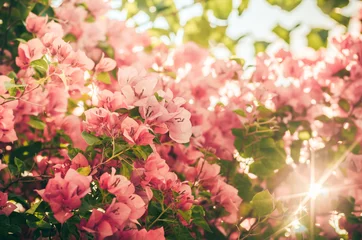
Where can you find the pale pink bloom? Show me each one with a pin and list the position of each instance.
(101, 121)
(54, 28)
(34, 23)
(98, 7)
(105, 64)
(135, 203)
(116, 184)
(28, 52)
(110, 100)
(72, 127)
(143, 234)
(156, 169)
(79, 161)
(136, 84)
(6, 207)
(2, 165)
(64, 194)
(79, 59)
(7, 132)
(106, 224)
(136, 133)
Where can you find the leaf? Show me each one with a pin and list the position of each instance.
(41, 67)
(282, 33)
(19, 164)
(36, 123)
(304, 135)
(34, 207)
(343, 103)
(84, 170)
(186, 215)
(260, 46)
(240, 112)
(198, 30)
(91, 139)
(220, 8)
(342, 73)
(317, 38)
(295, 149)
(198, 219)
(267, 143)
(327, 6)
(104, 77)
(262, 203)
(11, 85)
(341, 19)
(243, 184)
(243, 5)
(158, 32)
(287, 5)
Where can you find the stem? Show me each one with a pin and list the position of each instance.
(159, 216)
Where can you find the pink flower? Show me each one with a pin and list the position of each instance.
(7, 132)
(105, 64)
(34, 23)
(72, 127)
(2, 165)
(101, 121)
(106, 224)
(135, 133)
(156, 169)
(143, 234)
(116, 184)
(111, 101)
(136, 84)
(64, 195)
(6, 207)
(79, 161)
(28, 52)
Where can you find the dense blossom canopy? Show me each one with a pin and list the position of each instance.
(108, 134)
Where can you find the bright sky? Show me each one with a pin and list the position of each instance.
(258, 20)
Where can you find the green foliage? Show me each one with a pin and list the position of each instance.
(282, 33)
(104, 77)
(317, 38)
(262, 203)
(287, 5)
(91, 139)
(220, 8)
(260, 46)
(196, 27)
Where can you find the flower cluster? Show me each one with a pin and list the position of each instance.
(104, 139)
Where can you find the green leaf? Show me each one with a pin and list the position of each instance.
(104, 77)
(36, 123)
(243, 184)
(198, 30)
(186, 215)
(287, 5)
(263, 203)
(304, 135)
(343, 103)
(243, 5)
(84, 170)
(260, 46)
(158, 32)
(317, 38)
(240, 112)
(295, 149)
(220, 8)
(11, 85)
(19, 164)
(198, 219)
(341, 19)
(91, 139)
(41, 67)
(282, 33)
(327, 6)
(34, 207)
(342, 73)
(260, 170)
(267, 143)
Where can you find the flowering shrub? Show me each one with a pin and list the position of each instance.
(106, 134)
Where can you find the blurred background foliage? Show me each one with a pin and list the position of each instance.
(229, 28)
